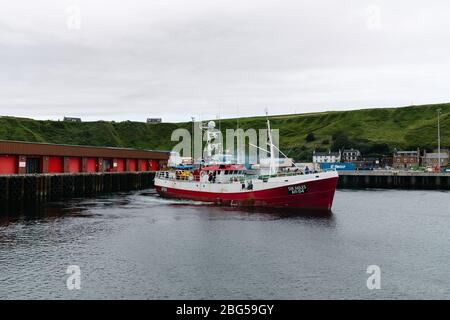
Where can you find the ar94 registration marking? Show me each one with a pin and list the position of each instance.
(298, 189)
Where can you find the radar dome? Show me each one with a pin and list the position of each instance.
(211, 125)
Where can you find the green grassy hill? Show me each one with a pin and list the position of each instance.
(373, 131)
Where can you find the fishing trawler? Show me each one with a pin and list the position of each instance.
(232, 184)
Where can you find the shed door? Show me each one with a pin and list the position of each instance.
(33, 165)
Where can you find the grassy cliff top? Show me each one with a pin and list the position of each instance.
(374, 131)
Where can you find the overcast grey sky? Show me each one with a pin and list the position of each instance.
(175, 59)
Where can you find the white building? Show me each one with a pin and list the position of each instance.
(326, 157)
(350, 155)
(432, 159)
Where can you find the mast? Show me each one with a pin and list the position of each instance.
(211, 136)
(272, 164)
(192, 140)
(439, 139)
(238, 142)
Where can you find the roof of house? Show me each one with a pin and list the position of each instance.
(435, 155)
(405, 152)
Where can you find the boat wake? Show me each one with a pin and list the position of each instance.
(155, 198)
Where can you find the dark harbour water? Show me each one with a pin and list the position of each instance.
(138, 246)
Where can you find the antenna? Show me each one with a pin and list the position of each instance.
(237, 117)
(219, 120)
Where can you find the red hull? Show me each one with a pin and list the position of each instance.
(319, 194)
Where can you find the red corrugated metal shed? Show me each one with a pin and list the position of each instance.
(27, 157)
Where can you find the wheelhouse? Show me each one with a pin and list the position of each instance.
(223, 173)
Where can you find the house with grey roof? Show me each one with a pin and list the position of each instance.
(431, 159)
(326, 157)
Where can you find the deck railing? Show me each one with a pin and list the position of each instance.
(170, 175)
